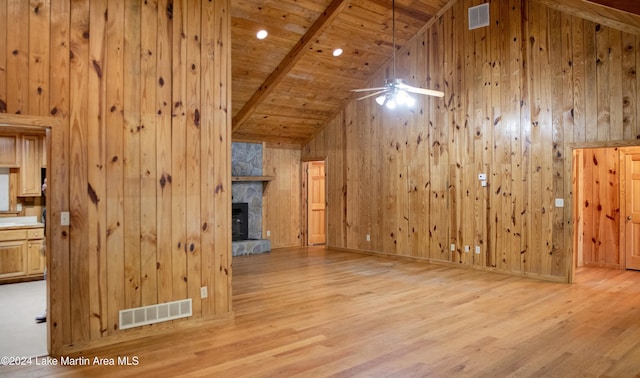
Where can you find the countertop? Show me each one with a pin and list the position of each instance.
(13, 223)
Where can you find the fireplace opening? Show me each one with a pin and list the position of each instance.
(239, 221)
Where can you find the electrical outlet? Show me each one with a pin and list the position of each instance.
(467, 248)
(453, 247)
(19, 207)
(203, 292)
(368, 237)
(268, 233)
(477, 249)
(64, 218)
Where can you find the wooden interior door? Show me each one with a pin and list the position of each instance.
(632, 211)
(316, 203)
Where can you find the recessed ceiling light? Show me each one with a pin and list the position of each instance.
(337, 52)
(262, 34)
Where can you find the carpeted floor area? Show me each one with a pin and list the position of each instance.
(20, 335)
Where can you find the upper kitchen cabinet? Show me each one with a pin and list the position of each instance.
(9, 151)
(30, 166)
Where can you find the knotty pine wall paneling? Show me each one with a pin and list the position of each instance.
(17, 100)
(417, 151)
(178, 130)
(147, 131)
(80, 110)
(281, 201)
(140, 155)
(518, 95)
(193, 88)
(132, 199)
(599, 207)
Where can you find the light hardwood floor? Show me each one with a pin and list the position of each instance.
(317, 313)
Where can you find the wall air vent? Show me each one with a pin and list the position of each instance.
(139, 316)
(479, 16)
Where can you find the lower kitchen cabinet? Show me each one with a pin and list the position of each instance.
(20, 256)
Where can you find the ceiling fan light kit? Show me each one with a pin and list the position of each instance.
(395, 92)
(395, 95)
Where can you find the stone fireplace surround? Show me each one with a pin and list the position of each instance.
(246, 160)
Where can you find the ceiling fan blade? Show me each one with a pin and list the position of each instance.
(428, 92)
(372, 94)
(368, 89)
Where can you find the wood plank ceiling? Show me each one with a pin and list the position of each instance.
(287, 86)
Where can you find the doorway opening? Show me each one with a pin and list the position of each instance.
(315, 203)
(606, 194)
(25, 284)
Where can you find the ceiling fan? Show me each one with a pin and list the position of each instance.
(395, 91)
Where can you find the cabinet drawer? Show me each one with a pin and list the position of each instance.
(13, 235)
(36, 233)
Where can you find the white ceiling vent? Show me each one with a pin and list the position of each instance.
(479, 16)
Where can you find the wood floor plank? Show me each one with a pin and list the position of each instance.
(318, 312)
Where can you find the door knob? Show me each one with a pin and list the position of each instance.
(629, 217)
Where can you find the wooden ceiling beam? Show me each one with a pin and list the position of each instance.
(592, 11)
(631, 6)
(281, 71)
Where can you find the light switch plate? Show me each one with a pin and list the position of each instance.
(559, 202)
(64, 218)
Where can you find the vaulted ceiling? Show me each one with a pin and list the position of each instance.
(287, 86)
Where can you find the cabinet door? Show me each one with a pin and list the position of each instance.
(9, 151)
(13, 262)
(30, 166)
(35, 258)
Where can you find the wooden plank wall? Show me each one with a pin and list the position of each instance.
(518, 94)
(281, 202)
(599, 207)
(141, 157)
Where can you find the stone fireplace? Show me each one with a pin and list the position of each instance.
(246, 161)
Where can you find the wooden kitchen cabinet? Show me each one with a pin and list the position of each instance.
(13, 259)
(35, 259)
(20, 258)
(30, 164)
(13, 262)
(9, 151)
